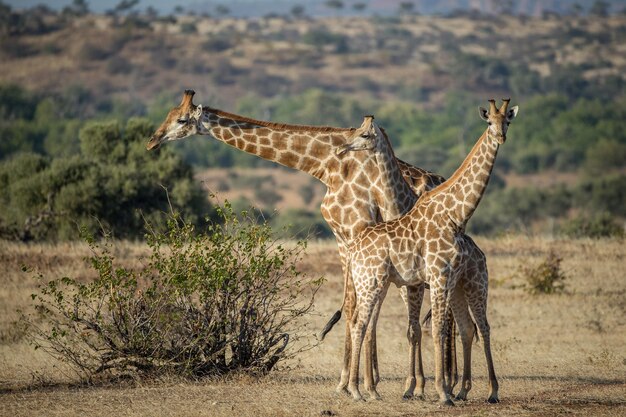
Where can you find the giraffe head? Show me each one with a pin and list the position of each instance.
(498, 119)
(366, 137)
(181, 122)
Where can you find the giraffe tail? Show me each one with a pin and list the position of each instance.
(333, 320)
(337, 316)
(427, 318)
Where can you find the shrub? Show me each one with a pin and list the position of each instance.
(113, 179)
(229, 299)
(547, 277)
(595, 226)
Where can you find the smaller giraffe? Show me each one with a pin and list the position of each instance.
(427, 246)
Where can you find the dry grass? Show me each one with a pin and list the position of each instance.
(558, 354)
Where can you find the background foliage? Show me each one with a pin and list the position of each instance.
(110, 182)
(563, 71)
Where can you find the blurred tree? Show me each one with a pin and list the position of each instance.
(406, 7)
(359, 7)
(222, 10)
(576, 9)
(114, 182)
(599, 8)
(152, 13)
(77, 8)
(334, 4)
(297, 11)
(125, 6)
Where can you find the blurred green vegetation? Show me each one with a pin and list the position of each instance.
(552, 134)
(563, 74)
(109, 182)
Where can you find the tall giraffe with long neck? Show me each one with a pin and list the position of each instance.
(355, 197)
(427, 245)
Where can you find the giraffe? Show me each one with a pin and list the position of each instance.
(355, 197)
(427, 245)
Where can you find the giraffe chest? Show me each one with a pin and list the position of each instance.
(348, 211)
(408, 266)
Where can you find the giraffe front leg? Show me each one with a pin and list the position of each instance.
(439, 307)
(413, 297)
(358, 334)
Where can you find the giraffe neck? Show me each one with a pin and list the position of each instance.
(396, 196)
(305, 148)
(460, 194)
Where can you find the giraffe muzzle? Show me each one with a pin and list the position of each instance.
(154, 143)
(343, 149)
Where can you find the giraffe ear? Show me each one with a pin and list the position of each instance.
(197, 112)
(484, 114)
(510, 115)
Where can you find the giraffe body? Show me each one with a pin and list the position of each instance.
(428, 245)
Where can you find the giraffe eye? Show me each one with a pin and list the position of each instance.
(182, 121)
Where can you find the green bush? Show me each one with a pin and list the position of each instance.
(228, 299)
(547, 277)
(596, 226)
(113, 179)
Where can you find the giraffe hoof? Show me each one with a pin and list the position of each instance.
(493, 400)
(447, 403)
(375, 395)
(409, 397)
(358, 399)
(461, 396)
(356, 394)
(342, 390)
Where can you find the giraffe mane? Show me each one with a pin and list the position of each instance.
(274, 125)
(453, 178)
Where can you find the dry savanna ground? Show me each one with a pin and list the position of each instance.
(554, 354)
